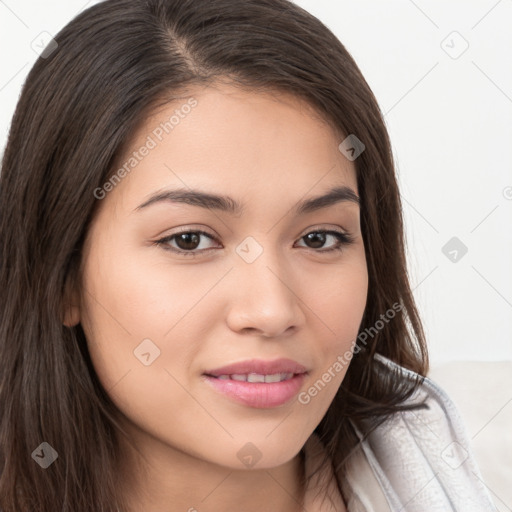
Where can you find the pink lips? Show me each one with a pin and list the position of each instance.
(259, 366)
(258, 394)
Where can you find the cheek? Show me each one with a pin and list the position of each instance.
(339, 305)
(141, 341)
(143, 325)
(131, 298)
(340, 301)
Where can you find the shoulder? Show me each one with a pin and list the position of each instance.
(416, 460)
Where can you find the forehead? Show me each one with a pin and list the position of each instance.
(219, 138)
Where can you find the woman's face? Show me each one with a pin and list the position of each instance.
(249, 283)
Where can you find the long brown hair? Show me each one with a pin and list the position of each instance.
(80, 104)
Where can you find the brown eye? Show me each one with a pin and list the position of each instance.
(186, 243)
(317, 239)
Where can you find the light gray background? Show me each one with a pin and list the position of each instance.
(449, 115)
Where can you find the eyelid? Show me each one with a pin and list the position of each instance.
(345, 239)
(163, 241)
(191, 229)
(323, 227)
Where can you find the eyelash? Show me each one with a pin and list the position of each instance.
(344, 240)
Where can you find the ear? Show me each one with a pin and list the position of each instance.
(71, 305)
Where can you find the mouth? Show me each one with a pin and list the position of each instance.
(256, 377)
(258, 395)
(275, 369)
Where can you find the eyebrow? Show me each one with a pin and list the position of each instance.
(229, 205)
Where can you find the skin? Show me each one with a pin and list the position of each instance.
(268, 151)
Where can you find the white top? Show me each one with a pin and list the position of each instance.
(416, 461)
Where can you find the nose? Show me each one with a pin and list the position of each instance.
(263, 297)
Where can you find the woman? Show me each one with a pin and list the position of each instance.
(206, 304)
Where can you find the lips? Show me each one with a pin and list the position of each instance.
(259, 367)
(257, 383)
(257, 377)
